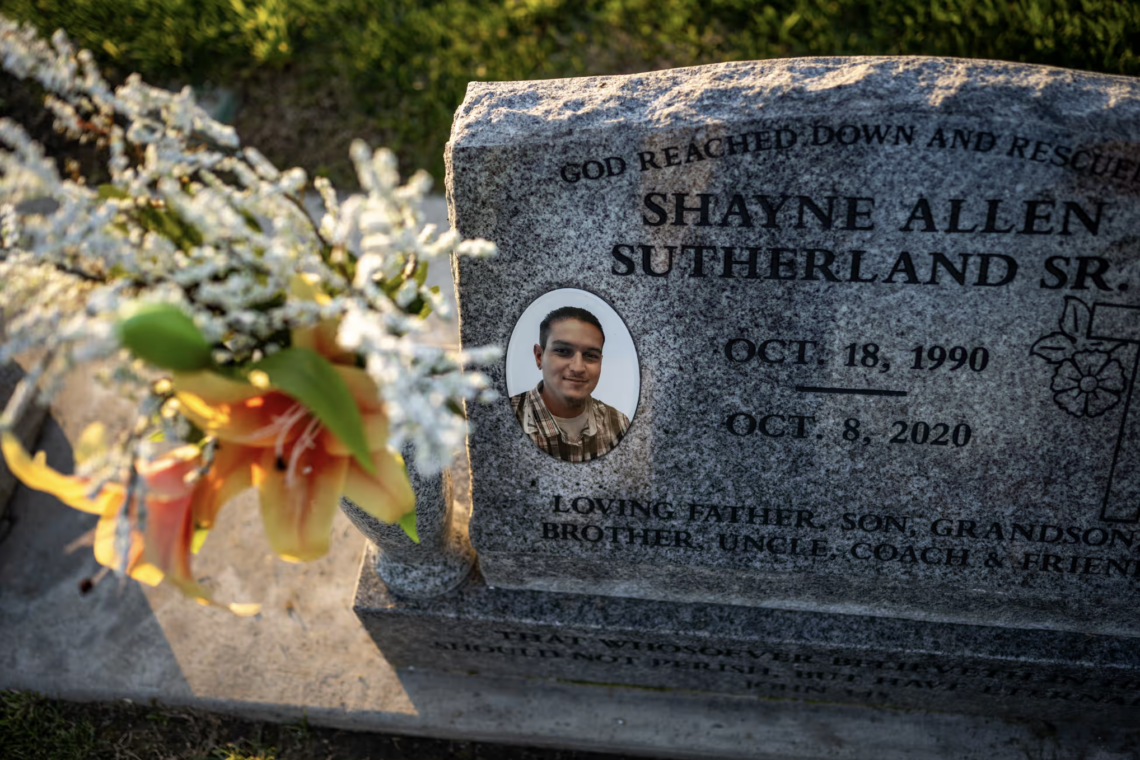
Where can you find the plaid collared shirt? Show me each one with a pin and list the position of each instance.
(605, 427)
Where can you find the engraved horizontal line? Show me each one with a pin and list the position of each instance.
(853, 391)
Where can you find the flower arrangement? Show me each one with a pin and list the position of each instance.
(263, 348)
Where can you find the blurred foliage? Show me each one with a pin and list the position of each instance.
(405, 64)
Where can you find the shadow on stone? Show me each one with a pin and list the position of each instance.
(26, 429)
(58, 638)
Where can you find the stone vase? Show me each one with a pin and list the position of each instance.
(441, 560)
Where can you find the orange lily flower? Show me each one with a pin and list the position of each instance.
(264, 438)
(176, 504)
(299, 467)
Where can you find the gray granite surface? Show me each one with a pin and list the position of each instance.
(887, 314)
(754, 652)
(27, 429)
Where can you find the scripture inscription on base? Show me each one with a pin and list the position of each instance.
(887, 317)
(763, 653)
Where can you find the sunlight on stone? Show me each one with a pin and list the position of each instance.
(306, 648)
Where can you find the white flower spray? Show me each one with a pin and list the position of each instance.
(193, 219)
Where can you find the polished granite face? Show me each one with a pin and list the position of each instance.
(885, 319)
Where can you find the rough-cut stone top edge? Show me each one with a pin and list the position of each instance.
(497, 113)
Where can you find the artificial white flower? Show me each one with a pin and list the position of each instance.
(213, 227)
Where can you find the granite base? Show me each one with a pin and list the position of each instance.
(755, 652)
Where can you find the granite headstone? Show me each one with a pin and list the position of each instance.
(883, 320)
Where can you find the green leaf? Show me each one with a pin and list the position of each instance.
(408, 523)
(168, 224)
(391, 286)
(110, 191)
(250, 220)
(421, 273)
(160, 334)
(311, 379)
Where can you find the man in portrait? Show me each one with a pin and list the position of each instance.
(559, 414)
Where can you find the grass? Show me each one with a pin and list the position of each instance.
(33, 727)
(315, 73)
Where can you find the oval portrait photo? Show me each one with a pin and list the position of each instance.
(572, 375)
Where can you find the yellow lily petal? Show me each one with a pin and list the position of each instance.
(306, 287)
(388, 494)
(169, 534)
(164, 552)
(169, 542)
(34, 473)
(256, 421)
(109, 500)
(169, 476)
(199, 539)
(92, 442)
(230, 474)
(362, 388)
(146, 573)
(298, 503)
(375, 432)
(106, 555)
(321, 338)
(213, 388)
(244, 610)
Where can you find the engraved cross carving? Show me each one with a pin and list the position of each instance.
(1122, 497)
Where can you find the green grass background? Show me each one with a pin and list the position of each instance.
(314, 71)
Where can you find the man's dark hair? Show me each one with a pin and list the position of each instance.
(567, 312)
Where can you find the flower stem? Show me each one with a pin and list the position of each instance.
(24, 394)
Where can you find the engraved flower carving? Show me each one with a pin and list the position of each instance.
(1088, 381)
(1088, 384)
